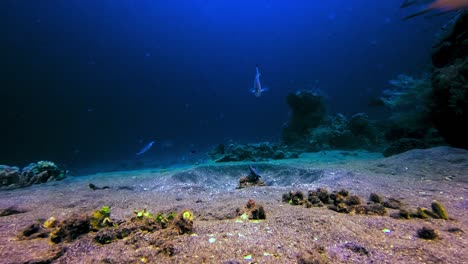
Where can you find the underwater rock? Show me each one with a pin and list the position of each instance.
(450, 84)
(9, 175)
(34, 173)
(294, 198)
(392, 203)
(356, 248)
(339, 201)
(218, 152)
(336, 132)
(403, 145)
(94, 187)
(325, 138)
(252, 152)
(308, 111)
(375, 198)
(315, 255)
(11, 211)
(376, 209)
(70, 229)
(359, 123)
(427, 233)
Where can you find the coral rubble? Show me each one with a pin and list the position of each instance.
(251, 152)
(142, 230)
(34, 173)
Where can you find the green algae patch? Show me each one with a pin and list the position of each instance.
(101, 218)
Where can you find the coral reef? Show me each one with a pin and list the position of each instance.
(251, 152)
(410, 100)
(307, 111)
(337, 132)
(34, 173)
(450, 84)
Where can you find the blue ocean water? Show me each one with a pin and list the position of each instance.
(88, 84)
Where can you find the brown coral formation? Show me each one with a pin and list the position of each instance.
(342, 201)
(252, 211)
(142, 230)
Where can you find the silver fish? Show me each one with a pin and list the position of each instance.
(145, 148)
(257, 90)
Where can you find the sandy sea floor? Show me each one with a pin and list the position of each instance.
(290, 234)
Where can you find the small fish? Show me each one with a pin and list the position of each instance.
(145, 148)
(439, 5)
(253, 176)
(257, 90)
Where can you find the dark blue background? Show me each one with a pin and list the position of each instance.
(88, 82)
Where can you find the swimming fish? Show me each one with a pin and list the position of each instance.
(145, 148)
(257, 89)
(253, 176)
(439, 5)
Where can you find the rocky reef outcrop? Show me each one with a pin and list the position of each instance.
(251, 152)
(449, 111)
(307, 111)
(340, 132)
(34, 173)
(311, 129)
